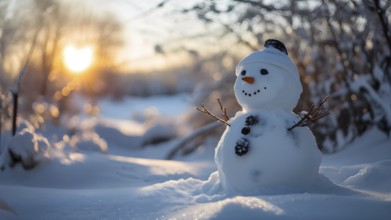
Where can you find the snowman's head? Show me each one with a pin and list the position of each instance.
(268, 79)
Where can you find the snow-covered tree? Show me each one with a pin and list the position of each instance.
(341, 47)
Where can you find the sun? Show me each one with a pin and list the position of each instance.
(78, 59)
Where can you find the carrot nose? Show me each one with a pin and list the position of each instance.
(248, 79)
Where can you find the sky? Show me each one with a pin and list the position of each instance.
(158, 37)
(147, 26)
(177, 33)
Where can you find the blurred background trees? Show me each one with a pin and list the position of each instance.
(341, 47)
(48, 28)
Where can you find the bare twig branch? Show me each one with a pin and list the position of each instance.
(207, 112)
(149, 11)
(224, 110)
(383, 21)
(16, 87)
(312, 115)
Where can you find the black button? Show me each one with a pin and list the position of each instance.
(242, 147)
(251, 120)
(245, 130)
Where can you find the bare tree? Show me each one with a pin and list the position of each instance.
(59, 23)
(342, 49)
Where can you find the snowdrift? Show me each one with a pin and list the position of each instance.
(121, 183)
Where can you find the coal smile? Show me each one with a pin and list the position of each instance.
(246, 93)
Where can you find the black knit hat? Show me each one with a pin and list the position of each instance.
(276, 44)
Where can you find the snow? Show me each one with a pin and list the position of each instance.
(258, 151)
(26, 148)
(276, 157)
(123, 184)
(279, 84)
(137, 107)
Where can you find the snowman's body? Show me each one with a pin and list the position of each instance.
(276, 157)
(257, 150)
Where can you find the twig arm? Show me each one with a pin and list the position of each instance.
(314, 114)
(207, 112)
(224, 120)
(224, 110)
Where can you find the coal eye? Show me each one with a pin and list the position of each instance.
(264, 72)
(243, 73)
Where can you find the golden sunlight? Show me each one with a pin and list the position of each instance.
(78, 59)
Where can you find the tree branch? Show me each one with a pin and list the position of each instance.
(383, 21)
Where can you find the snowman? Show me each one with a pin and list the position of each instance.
(258, 150)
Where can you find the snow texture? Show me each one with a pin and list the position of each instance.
(352, 184)
(276, 157)
(257, 151)
(26, 147)
(279, 89)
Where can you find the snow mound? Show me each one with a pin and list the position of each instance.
(27, 148)
(376, 176)
(6, 211)
(115, 137)
(105, 134)
(108, 186)
(159, 132)
(92, 185)
(88, 141)
(232, 208)
(189, 200)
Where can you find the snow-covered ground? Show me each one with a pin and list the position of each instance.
(121, 183)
